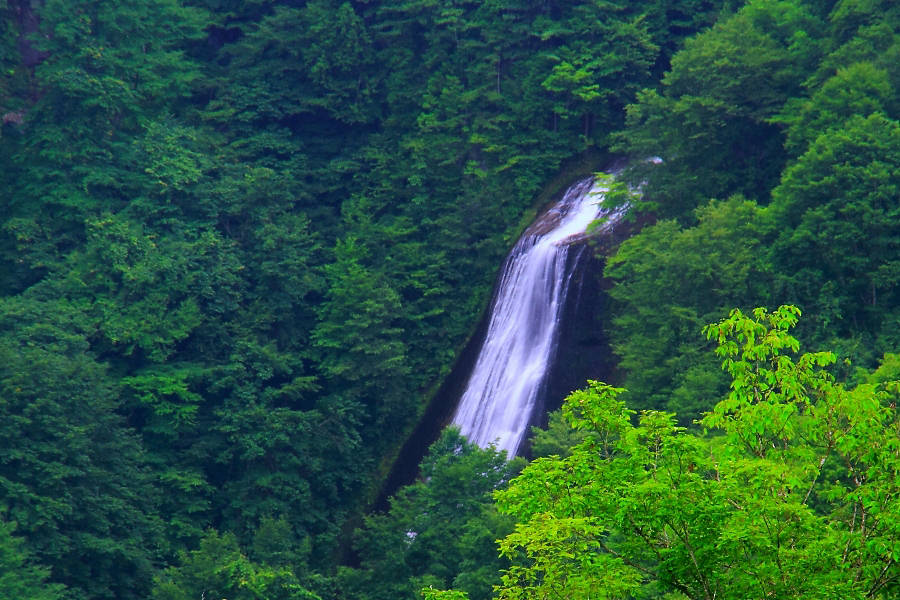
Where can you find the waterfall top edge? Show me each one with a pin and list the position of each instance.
(570, 217)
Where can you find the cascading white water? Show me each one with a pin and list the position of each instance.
(520, 344)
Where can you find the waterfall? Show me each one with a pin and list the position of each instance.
(520, 345)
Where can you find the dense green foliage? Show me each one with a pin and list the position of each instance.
(218, 569)
(439, 531)
(241, 243)
(19, 578)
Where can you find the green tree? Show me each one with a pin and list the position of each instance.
(710, 123)
(269, 459)
(322, 59)
(360, 336)
(110, 79)
(605, 59)
(669, 282)
(859, 89)
(72, 476)
(219, 569)
(795, 497)
(108, 69)
(21, 578)
(838, 255)
(439, 531)
(558, 439)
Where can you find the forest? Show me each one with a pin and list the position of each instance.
(243, 243)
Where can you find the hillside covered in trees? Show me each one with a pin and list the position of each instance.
(242, 244)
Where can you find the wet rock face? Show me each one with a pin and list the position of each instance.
(584, 352)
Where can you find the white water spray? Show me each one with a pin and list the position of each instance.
(522, 335)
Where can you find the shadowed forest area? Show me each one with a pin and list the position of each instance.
(243, 243)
